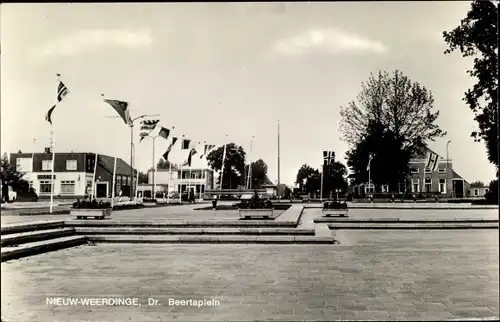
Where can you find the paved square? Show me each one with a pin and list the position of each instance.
(384, 275)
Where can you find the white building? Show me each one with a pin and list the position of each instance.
(195, 179)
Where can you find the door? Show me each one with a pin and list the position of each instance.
(458, 188)
(101, 190)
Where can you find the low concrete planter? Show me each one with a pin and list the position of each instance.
(255, 213)
(334, 212)
(86, 213)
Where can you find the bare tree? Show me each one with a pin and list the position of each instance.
(400, 105)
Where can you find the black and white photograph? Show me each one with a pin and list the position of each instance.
(249, 161)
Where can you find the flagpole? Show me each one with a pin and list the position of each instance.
(222, 167)
(33, 160)
(153, 196)
(169, 172)
(93, 178)
(52, 170)
(182, 167)
(321, 188)
(114, 182)
(278, 158)
(53, 134)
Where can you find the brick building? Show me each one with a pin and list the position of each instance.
(429, 173)
(73, 174)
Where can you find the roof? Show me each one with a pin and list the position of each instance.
(122, 168)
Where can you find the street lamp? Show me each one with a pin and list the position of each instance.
(132, 148)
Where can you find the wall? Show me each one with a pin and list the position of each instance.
(59, 176)
(434, 176)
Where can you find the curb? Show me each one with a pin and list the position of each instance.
(212, 240)
(42, 247)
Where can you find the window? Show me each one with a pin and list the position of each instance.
(476, 192)
(369, 188)
(385, 188)
(67, 187)
(414, 170)
(71, 165)
(428, 185)
(402, 187)
(442, 185)
(45, 186)
(46, 165)
(24, 164)
(415, 185)
(193, 175)
(442, 170)
(427, 170)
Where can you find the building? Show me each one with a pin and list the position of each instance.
(198, 180)
(73, 173)
(440, 179)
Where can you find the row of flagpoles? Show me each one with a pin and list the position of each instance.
(147, 128)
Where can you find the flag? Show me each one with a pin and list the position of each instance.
(122, 109)
(143, 135)
(191, 153)
(369, 162)
(328, 157)
(48, 116)
(207, 149)
(149, 125)
(185, 144)
(164, 133)
(165, 155)
(62, 91)
(432, 161)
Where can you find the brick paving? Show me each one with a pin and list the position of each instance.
(385, 275)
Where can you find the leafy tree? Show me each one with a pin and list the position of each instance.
(234, 165)
(304, 172)
(165, 164)
(284, 191)
(395, 103)
(492, 194)
(477, 37)
(259, 174)
(390, 158)
(477, 184)
(334, 178)
(11, 177)
(143, 178)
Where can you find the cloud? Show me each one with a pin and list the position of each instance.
(90, 40)
(327, 40)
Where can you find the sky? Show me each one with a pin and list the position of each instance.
(225, 70)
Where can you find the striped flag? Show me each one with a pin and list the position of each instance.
(328, 157)
(191, 153)
(164, 133)
(48, 116)
(165, 155)
(62, 91)
(207, 149)
(149, 125)
(143, 136)
(370, 158)
(432, 161)
(185, 144)
(122, 109)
